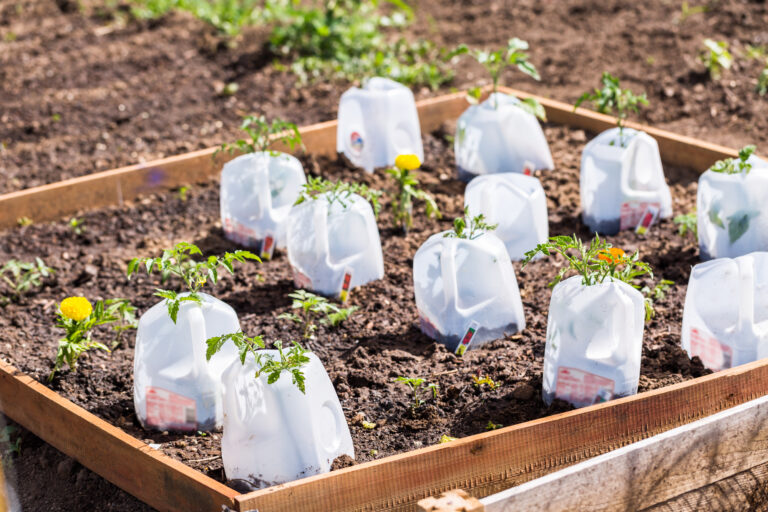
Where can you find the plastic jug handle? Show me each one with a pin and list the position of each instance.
(320, 223)
(627, 168)
(194, 323)
(265, 191)
(448, 268)
(746, 295)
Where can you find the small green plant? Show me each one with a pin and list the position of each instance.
(762, 81)
(492, 426)
(24, 222)
(733, 166)
(756, 52)
(407, 191)
(419, 387)
(612, 97)
(479, 382)
(183, 193)
(595, 263)
(446, 439)
(78, 318)
(313, 308)
(194, 274)
(687, 223)
(716, 57)
(262, 134)
(291, 360)
(20, 277)
(77, 225)
(470, 228)
(687, 11)
(338, 191)
(228, 17)
(658, 292)
(496, 61)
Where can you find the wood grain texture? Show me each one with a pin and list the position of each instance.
(144, 472)
(651, 471)
(491, 462)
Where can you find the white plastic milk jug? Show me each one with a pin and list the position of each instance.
(517, 204)
(334, 247)
(274, 433)
(174, 387)
(622, 185)
(498, 136)
(725, 320)
(377, 123)
(257, 192)
(594, 342)
(466, 291)
(732, 212)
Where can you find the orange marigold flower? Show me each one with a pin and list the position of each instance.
(614, 255)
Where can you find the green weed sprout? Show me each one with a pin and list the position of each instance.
(612, 97)
(496, 61)
(311, 308)
(291, 360)
(177, 262)
(420, 387)
(338, 191)
(77, 225)
(470, 228)
(78, 318)
(261, 134)
(716, 57)
(658, 292)
(687, 223)
(20, 277)
(407, 191)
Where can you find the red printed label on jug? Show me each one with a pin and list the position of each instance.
(632, 212)
(713, 354)
(167, 410)
(239, 233)
(582, 388)
(301, 280)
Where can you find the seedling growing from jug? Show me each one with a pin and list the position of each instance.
(178, 262)
(420, 388)
(496, 61)
(658, 292)
(311, 308)
(733, 166)
(595, 263)
(612, 97)
(716, 57)
(470, 227)
(20, 277)
(291, 360)
(338, 191)
(407, 191)
(687, 223)
(261, 134)
(78, 317)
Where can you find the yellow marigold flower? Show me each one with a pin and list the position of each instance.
(613, 255)
(408, 162)
(76, 308)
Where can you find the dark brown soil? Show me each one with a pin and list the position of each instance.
(377, 344)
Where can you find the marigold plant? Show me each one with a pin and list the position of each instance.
(407, 191)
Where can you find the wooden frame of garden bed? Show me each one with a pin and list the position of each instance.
(483, 464)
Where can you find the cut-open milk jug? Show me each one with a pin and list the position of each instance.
(498, 136)
(517, 204)
(334, 245)
(257, 192)
(377, 123)
(725, 319)
(466, 291)
(594, 342)
(274, 433)
(732, 212)
(174, 387)
(622, 185)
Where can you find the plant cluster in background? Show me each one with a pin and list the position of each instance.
(311, 308)
(470, 228)
(291, 360)
(407, 191)
(263, 133)
(716, 57)
(178, 262)
(612, 97)
(78, 318)
(20, 277)
(338, 191)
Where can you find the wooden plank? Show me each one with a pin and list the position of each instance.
(56, 200)
(487, 463)
(653, 470)
(675, 149)
(144, 472)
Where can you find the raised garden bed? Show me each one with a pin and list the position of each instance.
(379, 343)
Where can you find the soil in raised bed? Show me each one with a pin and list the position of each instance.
(378, 343)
